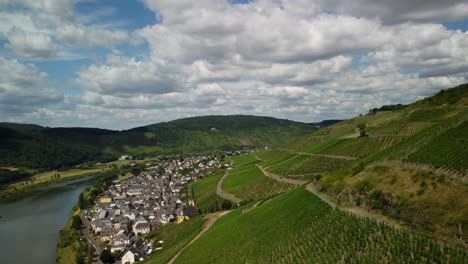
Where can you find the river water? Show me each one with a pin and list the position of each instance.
(30, 224)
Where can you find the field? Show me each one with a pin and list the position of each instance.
(304, 164)
(433, 141)
(46, 178)
(205, 191)
(243, 158)
(278, 159)
(174, 237)
(249, 183)
(449, 149)
(297, 227)
(359, 147)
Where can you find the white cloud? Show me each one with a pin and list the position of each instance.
(129, 76)
(30, 44)
(23, 88)
(302, 60)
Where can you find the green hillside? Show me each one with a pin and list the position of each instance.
(297, 227)
(53, 148)
(407, 162)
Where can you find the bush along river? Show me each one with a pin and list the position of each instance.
(30, 223)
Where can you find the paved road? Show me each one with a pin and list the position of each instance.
(281, 178)
(207, 226)
(90, 238)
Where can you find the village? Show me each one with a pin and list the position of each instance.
(129, 209)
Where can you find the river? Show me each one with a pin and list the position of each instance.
(30, 224)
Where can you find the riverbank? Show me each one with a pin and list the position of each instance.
(73, 248)
(46, 179)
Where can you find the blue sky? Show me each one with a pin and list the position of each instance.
(120, 64)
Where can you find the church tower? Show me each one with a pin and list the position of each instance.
(192, 201)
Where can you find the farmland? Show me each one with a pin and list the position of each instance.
(249, 183)
(174, 237)
(205, 191)
(441, 151)
(304, 164)
(297, 227)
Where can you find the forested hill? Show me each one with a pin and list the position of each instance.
(33, 146)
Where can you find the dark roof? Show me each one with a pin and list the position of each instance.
(190, 211)
(139, 243)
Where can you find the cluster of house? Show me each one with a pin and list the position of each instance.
(134, 207)
(131, 208)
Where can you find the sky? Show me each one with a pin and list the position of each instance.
(119, 64)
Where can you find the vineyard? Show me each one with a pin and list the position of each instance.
(412, 128)
(297, 227)
(359, 147)
(249, 183)
(175, 237)
(278, 159)
(205, 191)
(304, 164)
(449, 149)
(385, 129)
(424, 140)
(243, 159)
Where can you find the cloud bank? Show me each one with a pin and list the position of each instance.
(302, 60)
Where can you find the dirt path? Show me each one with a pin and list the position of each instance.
(311, 188)
(226, 195)
(328, 156)
(282, 161)
(320, 155)
(207, 226)
(281, 178)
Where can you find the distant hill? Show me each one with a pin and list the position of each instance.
(33, 146)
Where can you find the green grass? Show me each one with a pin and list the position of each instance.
(205, 191)
(242, 176)
(243, 158)
(175, 237)
(297, 227)
(269, 154)
(249, 183)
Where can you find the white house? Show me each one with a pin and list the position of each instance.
(130, 256)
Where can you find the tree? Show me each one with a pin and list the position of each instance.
(227, 205)
(76, 222)
(79, 258)
(82, 203)
(106, 257)
(90, 255)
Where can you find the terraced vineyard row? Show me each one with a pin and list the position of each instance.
(303, 164)
(448, 149)
(261, 189)
(385, 129)
(247, 182)
(278, 159)
(297, 227)
(378, 143)
(342, 238)
(359, 147)
(412, 128)
(426, 141)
